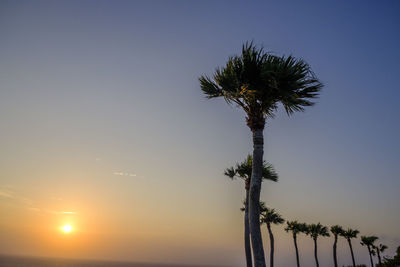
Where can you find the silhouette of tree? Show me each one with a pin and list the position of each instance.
(378, 249)
(369, 242)
(296, 228)
(349, 234)
(336, 230)
(270, 216)
(257, 82)
(395, 262)
(243, 171)
(316, 230)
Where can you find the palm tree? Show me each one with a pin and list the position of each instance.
(348, 235)
(315, 230)
(269, 216)
(336, 230)
(379, 249)
(369, 242)
(257, 82)
(296, 228)
(243, 171)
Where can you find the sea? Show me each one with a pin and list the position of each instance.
(22, 261)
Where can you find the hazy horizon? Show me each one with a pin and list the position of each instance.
(104, 127)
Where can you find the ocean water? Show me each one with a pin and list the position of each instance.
(20, 261)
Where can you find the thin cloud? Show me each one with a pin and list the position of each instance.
(29, 203)
(68, 212)
(63, 212)
(125, 174)
(7, 194)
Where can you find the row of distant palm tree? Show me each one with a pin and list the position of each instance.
(269, 217)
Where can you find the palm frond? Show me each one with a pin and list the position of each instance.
(257, 81)
(244, 170)
(315, 230)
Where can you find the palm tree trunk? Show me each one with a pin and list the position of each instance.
(351, 251)
(316, 252)
(271, 241)
(297, 250)
(254, 197)
(334, 251)
(370, 256)
(247, 247)
(379, 256)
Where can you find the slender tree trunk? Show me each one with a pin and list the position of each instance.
(297, 250)
(351, 251)
(370, 256)
(316, 252)
(271, 241)
(379, 256)
(254, 198)
(247, 247)
(334, 251)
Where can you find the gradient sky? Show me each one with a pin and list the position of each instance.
(103, 125)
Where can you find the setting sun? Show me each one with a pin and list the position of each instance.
(67, 228)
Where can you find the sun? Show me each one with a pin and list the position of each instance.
(67, 228)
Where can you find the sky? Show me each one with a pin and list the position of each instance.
(104, 127)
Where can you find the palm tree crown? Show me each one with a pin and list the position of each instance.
(368, 240)
(295, 227)
(270, 216)
(381, 248)
(350, 233)
(257, 81)
(315, 230)
(243, 170)
(337, 230)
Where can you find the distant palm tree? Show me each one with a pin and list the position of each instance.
(369, 242)
(380, 248)
(349, 234)
(336, 230)
(269, 216)
(315, 230)
(243, 171)
(257, 82)
(296, 228)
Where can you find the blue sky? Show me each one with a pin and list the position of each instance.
(93, 88)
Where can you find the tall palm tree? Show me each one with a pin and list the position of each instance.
(270, 216)
(349, 234)
(369, 242)
(257, 82)
(336, 230)
(243, 171)
(380, 248)
(296, 228)
(316, 230)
